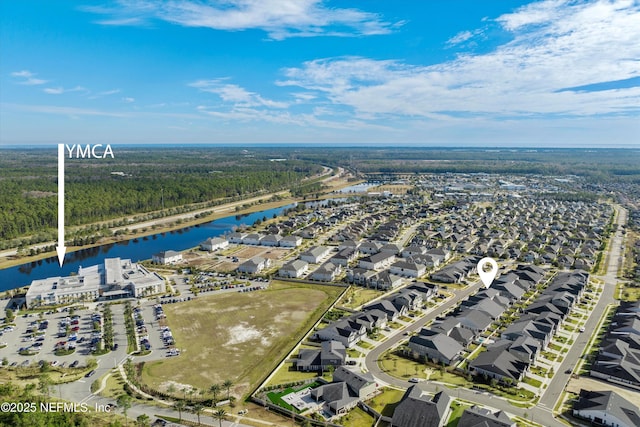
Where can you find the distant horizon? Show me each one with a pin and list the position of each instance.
(350, 145)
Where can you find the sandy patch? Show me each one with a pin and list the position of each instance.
(243, 333)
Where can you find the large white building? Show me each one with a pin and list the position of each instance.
(115, 278)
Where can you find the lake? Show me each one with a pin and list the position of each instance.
(137, 249)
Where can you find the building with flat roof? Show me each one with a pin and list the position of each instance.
(115, 278)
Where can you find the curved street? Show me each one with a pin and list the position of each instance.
(542, 413)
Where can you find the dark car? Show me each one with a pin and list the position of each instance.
(114, 347)
(90, 373)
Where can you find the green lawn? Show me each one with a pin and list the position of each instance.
(357, 296)
(532, 382)
(456, 412)
(386, 402)
(357, 418)
(287, 374)
(237, 336)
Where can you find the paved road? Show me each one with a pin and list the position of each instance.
(559, 381)
(543, 412)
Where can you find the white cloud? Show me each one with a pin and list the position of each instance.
(461, 37)
(128, 99)
(60, 90)
(29, 78)
(279, 18)
(555, 45)
(235, 94)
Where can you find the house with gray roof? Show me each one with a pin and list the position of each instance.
(327, 272)
(498, 363)
(254, 265)
(418, 408)
(482, 417)
(290, 241)
(606, 408)
(293, 269)
(332, 353)
(435, 347)
(315, 254)
(214, 243)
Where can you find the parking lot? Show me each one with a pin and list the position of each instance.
(68, 337)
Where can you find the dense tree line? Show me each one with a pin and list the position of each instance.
(136, 181)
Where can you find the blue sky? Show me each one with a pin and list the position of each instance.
(443, 73)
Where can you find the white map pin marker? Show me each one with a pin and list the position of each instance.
(487, 276)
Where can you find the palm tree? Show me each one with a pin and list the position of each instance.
(197, 409)
(219, 414)
(215, 389)
(179, 406)
(227, 384)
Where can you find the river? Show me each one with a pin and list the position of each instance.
(137, 249)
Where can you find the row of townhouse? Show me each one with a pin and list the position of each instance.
(618, 359)
(509, 358)
(446, 339)
(351, 329)
(457, 271)
(272, 240)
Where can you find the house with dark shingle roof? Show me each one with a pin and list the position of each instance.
(418, 408)
(435, 346)
(498, 363)
(332, 353)
(606, 408)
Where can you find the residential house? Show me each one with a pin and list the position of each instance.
(331, 353)
(236, 237)
(214, 243)
(166, 257)
(327, 272)
(377, 261)
(499, 364)
(290, 241)
(293, 269)
(418, 408)
(606, 408)
(435, 347)
(315, 254)
(482, 417)
(271, 240)
(408, 269)
(254, 265)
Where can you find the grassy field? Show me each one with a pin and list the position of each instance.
(237, 336)
(357, 296)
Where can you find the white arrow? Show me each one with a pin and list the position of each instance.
(61, 248)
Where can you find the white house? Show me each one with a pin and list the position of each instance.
(252, 239)
(293, 269)
(377, 261)
(270, 240)
(254, 265)
(408, 269)
(327, 272)
(315, 254)
(166, 257)
(236, 237)
(606, 408)
(214, 243)
(290, 241)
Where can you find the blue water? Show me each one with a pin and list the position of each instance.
(137, 249)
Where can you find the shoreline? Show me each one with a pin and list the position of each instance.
(168, 224)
